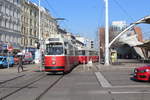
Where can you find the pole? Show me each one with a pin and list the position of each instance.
(40, 37)
(99, 50)
(8, 59)
(106, 34)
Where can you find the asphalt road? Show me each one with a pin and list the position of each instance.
(85, 82)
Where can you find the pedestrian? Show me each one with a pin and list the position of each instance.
(20, 63)
(90, 64)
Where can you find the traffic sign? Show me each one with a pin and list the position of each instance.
(10, 48)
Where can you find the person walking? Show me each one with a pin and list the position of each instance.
(20, 64)
(90, 64)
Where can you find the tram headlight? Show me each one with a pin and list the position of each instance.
(53, 62)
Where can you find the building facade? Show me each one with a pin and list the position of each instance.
(10, 22)
(30, 24)
(48, 24)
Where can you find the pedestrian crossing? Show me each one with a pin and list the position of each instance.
(101, 79)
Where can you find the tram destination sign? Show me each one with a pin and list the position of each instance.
(53, 39)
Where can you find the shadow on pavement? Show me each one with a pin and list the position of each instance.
(135, 80)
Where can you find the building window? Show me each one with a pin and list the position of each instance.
(5, 23)
(30, 31)
(11, 25)
(0, 6)
(7, 38)
(0, 22)
(11, 38)
(34, 33)
(3, 37)
(0, 37)
(19, 40)
(31, 42)
(22, 41)
(30, 12)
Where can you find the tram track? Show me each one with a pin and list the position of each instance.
(3, 82)
(14, 89)
(48, 88)
(31, 81)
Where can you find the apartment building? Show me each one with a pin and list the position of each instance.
(10, 22)
(30, 24)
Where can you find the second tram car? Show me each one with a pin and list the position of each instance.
(82, 56)
(60, 55)
(85, 55)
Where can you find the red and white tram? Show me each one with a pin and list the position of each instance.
(85, 55)
(60, 55)
(82, 55)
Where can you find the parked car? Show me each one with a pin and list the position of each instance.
(142, 73)
(27, 57)
(5, 60)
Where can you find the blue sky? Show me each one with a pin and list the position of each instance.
(83, 17)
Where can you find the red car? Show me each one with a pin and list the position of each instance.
(142, 73)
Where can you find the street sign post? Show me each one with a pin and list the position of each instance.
(10, 49)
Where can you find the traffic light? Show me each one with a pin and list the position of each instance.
(92, 44)
(38, 45)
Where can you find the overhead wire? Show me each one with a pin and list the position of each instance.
(124, 10)
(53, 11)
(46, 3)
(129, 16)
(63, 22)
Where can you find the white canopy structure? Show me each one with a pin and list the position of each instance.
(133, 42)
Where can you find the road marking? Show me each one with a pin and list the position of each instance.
(102, 80)
(118, 92)
(131, 86)
(131, 92)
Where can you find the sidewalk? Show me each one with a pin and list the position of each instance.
(124, 65)
(29, 67)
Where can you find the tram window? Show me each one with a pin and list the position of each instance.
(54, 49)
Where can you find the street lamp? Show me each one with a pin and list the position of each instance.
(142, 20)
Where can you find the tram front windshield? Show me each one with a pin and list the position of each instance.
(54, 49)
